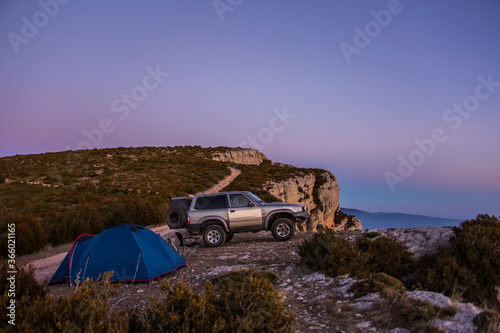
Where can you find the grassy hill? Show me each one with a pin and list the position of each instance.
(55, 197)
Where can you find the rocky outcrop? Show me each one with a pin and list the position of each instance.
(319, 191)
(420, 241)
(344, 221)
(294, 190)
(240, 156)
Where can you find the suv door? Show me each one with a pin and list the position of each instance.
(243, 213)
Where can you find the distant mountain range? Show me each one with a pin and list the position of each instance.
(382, 220)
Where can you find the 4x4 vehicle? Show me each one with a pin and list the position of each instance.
(219, 216)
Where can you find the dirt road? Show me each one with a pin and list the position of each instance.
(225, 182)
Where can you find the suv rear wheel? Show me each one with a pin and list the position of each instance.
(214, 235)
(283, 229)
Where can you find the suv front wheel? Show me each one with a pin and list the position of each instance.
(283, 229)
(214, 235)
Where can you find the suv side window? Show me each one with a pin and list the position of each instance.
(238, 200)
(211, 202)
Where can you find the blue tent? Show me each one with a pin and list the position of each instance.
(133, 253)
(79, 245)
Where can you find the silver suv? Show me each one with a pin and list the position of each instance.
(219, 216)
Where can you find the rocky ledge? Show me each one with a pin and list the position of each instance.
(240, 156)
(420, 241)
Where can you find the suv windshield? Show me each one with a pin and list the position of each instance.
(255, 198)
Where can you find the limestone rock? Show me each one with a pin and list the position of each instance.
(320, 193)
(240, 156)
(463, 319)
(346, 222)
(420, 240)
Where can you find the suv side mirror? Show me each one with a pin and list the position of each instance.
(251, 204)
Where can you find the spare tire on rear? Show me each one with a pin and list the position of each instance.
(176, 218)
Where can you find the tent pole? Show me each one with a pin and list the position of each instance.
(137, 267)
(83, 276)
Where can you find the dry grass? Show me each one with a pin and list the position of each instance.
(488, 321)
(396, 310)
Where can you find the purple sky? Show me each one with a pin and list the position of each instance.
(400, 100)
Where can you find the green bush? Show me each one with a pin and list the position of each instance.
(137, 210)
(26, 284)
(29, 234)
(86, 310)
(386, 255)
(180, 309)
(249, 303)
(470, 267)
(82, 218)
(243, 301)
(328, 253)
(335, 256)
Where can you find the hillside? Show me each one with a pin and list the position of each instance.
(381, 220)
(55, 197)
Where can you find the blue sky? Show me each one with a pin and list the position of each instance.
(399, 99)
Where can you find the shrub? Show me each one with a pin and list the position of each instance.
(83, 218)
(386, 255)
(84, 311)
(248, 302)
(243, 301)
(336, 256)
(30, 236)
(137, 210)
(443, 273)
(476, 245)
(180, 309)
(26, 284)
(469, 267)
(328, 253)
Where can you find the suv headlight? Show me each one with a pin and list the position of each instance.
(297, 208)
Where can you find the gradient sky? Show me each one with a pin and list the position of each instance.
(348, 86)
